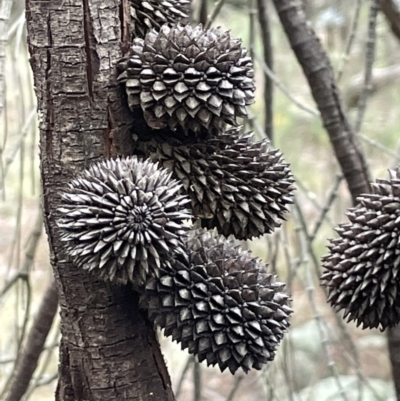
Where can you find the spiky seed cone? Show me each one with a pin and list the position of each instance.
(122, 218)
(188, 77)
(362, 268)
(225, 308)
(149, 14)
(236, 185)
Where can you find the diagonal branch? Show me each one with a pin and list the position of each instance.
(29, 358)
(320, 76)
(391, 10)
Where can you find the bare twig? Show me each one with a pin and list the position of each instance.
(34, 345)
(265, 31)
(381, 78)
(330, 199)
(5, 11)
(203, 12)
(17, 147)
(189, 362)
(38, 380)
(369, 61)
(350, 40)
(304, 242)
(197, 385)
(29, 255)
(381, 147)
(235, 387)
(285, 91)
(211, 18)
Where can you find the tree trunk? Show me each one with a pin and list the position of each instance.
(109, 350)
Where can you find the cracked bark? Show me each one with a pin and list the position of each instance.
(319, 73)
(109, 350)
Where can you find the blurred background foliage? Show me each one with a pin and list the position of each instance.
(321, 358)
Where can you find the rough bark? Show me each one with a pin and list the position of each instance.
(109, 350)
(349, 154)
(391, 10)
(35, 342)
(320, 76)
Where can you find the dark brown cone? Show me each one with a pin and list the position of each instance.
(188, 77)
(236, 185)
(123, 218)
(225, 308)
(362, 269)
(151, 14)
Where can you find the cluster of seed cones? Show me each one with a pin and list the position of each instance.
(236, 185)
(131, 220)
(126, 220)
(223, 307)
(362, 270)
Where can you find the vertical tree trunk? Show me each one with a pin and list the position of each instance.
(109, 350)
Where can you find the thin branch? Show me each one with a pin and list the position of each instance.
(5, 11)
(197, 385)
(284, 90)
(189, 362)
(310, 290)
(381, 147)
(333, 193)
(203, 12)
(344, 58)
(266, 40)
(213, 16)
(369, 62)
(381, 78)
(30, 252)
(37, 382)
(34, 345)
(17, 147)
(235, 387)
(252, 11)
